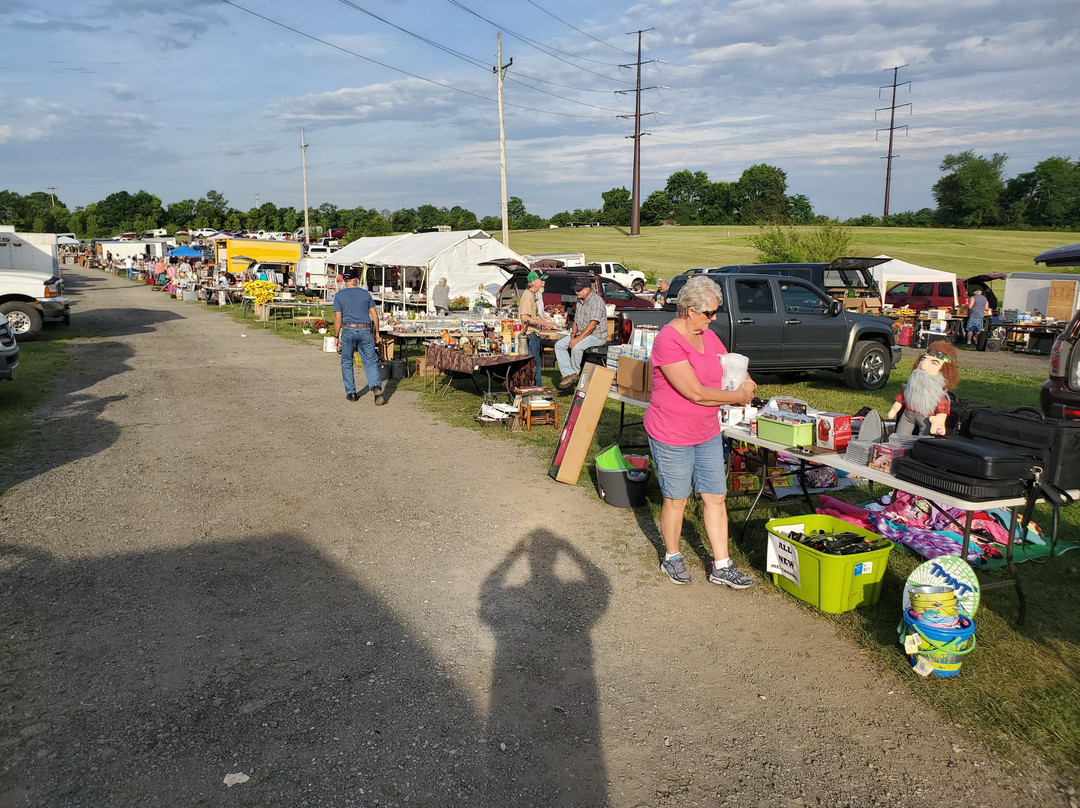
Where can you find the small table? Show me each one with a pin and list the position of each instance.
(512, 370)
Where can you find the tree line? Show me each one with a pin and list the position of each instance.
(973, 192)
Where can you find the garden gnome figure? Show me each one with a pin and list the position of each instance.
(923, 403)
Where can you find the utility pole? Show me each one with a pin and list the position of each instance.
(500, 69)
(635, 194)
(892, 126)
(52, 200)
(303, 163)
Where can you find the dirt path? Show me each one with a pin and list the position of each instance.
(214, 564)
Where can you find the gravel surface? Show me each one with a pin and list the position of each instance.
(216, 569)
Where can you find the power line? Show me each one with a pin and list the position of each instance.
(583, 33)
(398, 69)
(892, 127)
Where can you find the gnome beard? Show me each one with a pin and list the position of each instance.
(924, 391)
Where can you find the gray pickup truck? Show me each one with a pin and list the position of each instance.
(788, 326)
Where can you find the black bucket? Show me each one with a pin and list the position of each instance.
(397, 369)
(385, 369)
(623, 488)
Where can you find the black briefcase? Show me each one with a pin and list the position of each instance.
(984, 460)
(1055, 441)
(959, 485)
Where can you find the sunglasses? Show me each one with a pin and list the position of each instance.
(711, 313)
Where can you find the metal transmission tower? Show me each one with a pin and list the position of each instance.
(892, 126)
(635, 197)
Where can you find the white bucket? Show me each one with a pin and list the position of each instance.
(329, 344)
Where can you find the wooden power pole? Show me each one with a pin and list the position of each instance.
(303, 164)
(892, 126)
(500, 69)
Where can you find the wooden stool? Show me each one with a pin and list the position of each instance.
(529, 415)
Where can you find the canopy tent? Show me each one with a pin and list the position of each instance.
(458, 256)
(184, 252)
(894, 270)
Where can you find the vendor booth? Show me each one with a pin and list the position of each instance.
(400, 270)
(894, 271)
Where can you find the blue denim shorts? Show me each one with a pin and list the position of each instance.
(975, 324)
(685, 468)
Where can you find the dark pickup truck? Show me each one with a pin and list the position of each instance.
(789, 326)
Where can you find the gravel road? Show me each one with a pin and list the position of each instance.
(216, 568)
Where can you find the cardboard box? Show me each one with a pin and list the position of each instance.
(833, 430)
(581, 419)
(634, 378)
(743, 481)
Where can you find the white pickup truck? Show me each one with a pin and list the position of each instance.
(31, 290)
(633, 278)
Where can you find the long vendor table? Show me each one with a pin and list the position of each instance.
(512, 370)
(839, 463)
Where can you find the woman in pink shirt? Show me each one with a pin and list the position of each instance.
(684, 428)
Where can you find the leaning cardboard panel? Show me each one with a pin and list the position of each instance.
(581, 420)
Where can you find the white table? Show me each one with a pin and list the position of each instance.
(839, 463)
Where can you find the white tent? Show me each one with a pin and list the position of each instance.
(894, 270)
(456, 256)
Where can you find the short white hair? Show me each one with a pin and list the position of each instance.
(696, 294)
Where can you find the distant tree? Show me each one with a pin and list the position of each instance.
(969, 195)
(180, 215)
(404, 220)
(491, 224)
(924, 217)
(431, 216)
(866, 220)
(782, 245)
(562, 218)
(686, 191)
(211, 210)
(616, 207)
(763, 195)
(656, 209)
(719, 203)
(799, 210)
(462, 219)
(1048, 196)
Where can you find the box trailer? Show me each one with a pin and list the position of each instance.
(1054, 294)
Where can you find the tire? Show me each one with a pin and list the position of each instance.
(23, 318)
(638, 286)
(869, 367)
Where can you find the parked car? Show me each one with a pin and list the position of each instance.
(838, 278)
(1060, 393)
(9, 350)
(559, 290)
(922, 295)
(336, 232)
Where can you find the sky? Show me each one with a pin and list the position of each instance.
(398, 98)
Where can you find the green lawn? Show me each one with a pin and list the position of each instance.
(662, 252)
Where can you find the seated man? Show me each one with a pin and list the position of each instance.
(589, 331)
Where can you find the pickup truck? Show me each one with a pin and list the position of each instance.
(615, 271)
(31, 289)
(790, 327)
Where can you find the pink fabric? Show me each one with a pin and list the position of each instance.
(671, 417)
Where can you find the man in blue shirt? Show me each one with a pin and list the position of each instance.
(356, 329)
(977, 309)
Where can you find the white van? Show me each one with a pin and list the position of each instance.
(157, 232)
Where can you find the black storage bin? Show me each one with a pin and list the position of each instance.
(623, 488)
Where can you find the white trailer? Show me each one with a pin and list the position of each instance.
(1055, 295)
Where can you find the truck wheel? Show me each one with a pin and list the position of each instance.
(869, 366)
(638, 286)
(24, 319)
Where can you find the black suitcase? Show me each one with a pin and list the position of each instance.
(961, 411)
(976, 458)
(959, 485)
(1055, 441)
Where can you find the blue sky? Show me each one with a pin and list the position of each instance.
(177, 98)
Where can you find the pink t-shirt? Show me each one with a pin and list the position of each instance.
(671, 417)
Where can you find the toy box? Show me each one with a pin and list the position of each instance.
(833, 430)
(743, 481)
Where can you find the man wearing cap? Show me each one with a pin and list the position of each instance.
(356, 328)
(529, 308)
(589, 331)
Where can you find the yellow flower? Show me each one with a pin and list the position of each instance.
(262, 291)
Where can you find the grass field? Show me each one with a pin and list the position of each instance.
(662, 252)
